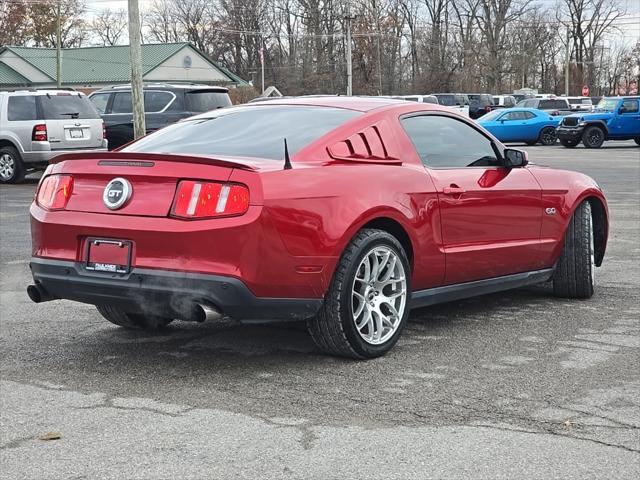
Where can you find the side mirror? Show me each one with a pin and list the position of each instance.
(515, 158)
(622, 110)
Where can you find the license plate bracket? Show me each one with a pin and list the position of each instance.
(108, 256)
(76, 133)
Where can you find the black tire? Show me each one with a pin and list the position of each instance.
(593, 137)
(637, 140)
(574, 273)
(333, 329)
(548, 136)
(132, 321)
(569, 143)
(11, 167)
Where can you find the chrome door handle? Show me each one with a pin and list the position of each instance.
(453, 190)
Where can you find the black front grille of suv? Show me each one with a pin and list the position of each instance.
(570, 122)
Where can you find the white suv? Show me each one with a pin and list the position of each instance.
(37, 125)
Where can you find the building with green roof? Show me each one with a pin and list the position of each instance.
(96, 67)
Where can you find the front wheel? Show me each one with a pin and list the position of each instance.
(548, 136)
(367, 304)
(593, 137)
(575, 271)
(132, 321)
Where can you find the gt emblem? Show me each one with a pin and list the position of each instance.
(550, 211)
(116, 193)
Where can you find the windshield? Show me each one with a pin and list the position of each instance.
(248, 131)
(487, 117)
(608, 104)
(65, 106)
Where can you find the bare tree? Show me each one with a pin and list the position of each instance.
(109, 26)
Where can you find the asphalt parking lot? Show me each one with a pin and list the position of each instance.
(512, 385)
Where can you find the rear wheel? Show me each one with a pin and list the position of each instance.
(367, 305)
(11, 166)
(575, 271)
(593, 137)
(637, 140)
(133, 321)
(569, 143)
(548, 136)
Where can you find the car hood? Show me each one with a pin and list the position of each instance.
(592, 116)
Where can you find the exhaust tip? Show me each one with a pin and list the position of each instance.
(206, 313)
(34, 294)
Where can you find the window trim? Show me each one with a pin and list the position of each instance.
(493, 142)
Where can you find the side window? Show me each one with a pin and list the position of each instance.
(547, 105)
(561, 104)
(156, 101)
(100, 100)
(631, 106)
(512, 116)
(22, 107)
(121, 103)
(532, 104)
(527, 115)
(437, 142)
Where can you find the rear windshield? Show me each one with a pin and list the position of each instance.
(203, 101)
(67, 106)
(248, 131)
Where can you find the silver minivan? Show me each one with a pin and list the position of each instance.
(37, 125)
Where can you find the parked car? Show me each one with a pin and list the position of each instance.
(503, 101)
(580, 104)
(553, 106)
(36, 125)
(163, 104)
(521, 125)
(219, 215)
(479, 104)
(457, 101)
(613, 119)
(418, 98)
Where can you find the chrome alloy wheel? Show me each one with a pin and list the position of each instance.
(7, 166)
(379, 295)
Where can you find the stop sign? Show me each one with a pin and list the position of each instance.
(585, 91)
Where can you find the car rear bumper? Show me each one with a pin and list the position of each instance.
(163, 292)
(44, 156)
(569, 133)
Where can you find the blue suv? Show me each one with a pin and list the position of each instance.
(613, 119)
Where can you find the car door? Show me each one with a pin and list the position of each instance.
(119, 120)
(627, 122)
(510, 129)
(490, 215)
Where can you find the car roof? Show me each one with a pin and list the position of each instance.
(361, 104)
(184, 86)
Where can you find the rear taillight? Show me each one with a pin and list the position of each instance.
(55, 191)
(39, 133)
(196, 199)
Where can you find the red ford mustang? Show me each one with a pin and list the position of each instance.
(344, 212)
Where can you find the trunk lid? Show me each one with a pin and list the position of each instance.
(153, 179)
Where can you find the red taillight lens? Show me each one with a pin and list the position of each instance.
(39, 133)
(55, 191)
(487, 108)
(196, 199)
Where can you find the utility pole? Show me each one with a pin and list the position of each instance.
(349, 18)
(567, 61)
(58, 47)
(522, 60)
(137, 93)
